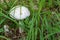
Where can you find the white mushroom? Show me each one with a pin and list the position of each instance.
(19, 12)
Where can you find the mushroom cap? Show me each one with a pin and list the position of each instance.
(19, 12)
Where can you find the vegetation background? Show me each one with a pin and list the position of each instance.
(43, 23)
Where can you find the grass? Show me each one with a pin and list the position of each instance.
(43, 23)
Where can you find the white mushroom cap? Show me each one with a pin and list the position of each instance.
(19, 12)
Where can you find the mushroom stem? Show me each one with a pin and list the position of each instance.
(20, 29)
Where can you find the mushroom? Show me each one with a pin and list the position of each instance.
(19, 13)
